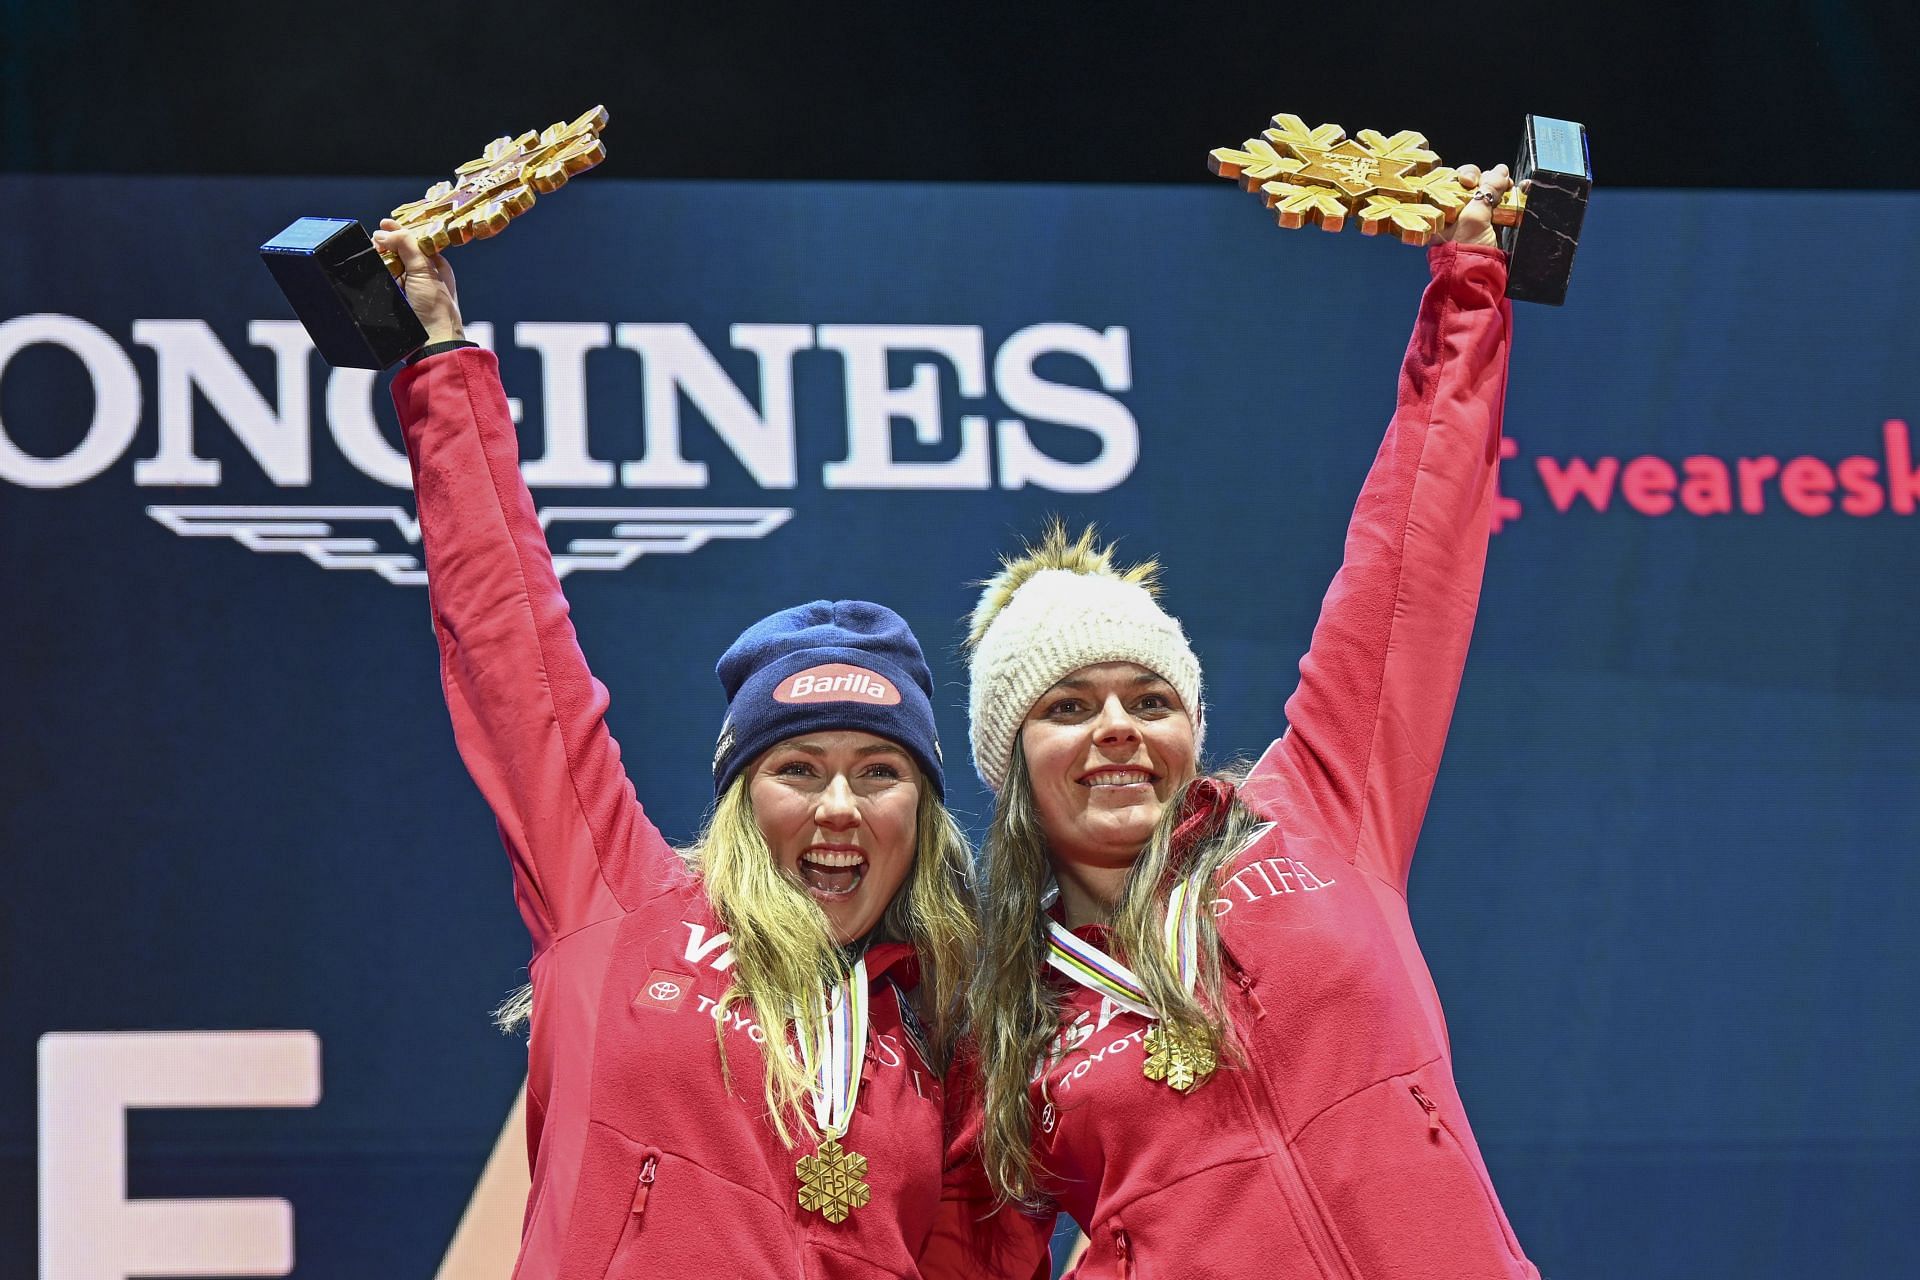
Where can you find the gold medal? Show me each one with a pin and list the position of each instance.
(1183, 1061)
(833, 1181)
(1180, 1060)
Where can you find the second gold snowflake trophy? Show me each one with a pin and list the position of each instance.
(345, 291)
(1394, 185)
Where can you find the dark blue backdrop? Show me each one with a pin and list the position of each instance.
(1666, 880)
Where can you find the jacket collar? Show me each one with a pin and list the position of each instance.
(895, 959)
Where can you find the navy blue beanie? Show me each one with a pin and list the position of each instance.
(831, 664)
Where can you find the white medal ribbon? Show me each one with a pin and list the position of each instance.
(833, 1055)
(1099, 972)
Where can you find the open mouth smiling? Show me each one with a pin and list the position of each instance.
(832, 872)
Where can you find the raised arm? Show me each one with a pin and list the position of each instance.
(528, 717)
(1367, 723)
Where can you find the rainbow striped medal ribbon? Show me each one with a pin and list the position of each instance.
(833, 1179)
(1182, 1061)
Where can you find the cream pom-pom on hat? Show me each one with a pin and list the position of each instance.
(1061, 606)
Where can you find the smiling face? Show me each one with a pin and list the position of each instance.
(1105, 749)
(839, 811)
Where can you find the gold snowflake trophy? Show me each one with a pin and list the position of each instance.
(1395, 186)
(344, 290)
(487, 193)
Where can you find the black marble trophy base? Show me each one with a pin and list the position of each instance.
(1553, 156)
(352, 307)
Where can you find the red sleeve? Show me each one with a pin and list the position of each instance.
(528, 716)
(975, 1237)
(1367, 723)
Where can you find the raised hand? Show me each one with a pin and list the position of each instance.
(1475, 223)
(428, 283)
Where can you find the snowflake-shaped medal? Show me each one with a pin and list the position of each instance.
(833, 1181)
(1183, 1061)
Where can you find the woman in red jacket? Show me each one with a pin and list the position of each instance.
(1218, 1048)
(673, 1129)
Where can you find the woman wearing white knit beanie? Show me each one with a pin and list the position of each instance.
(1203, 1026)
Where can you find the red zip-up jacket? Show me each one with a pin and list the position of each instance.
(1339, 1150)
(644, 1162)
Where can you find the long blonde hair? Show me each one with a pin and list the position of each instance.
(1014, 1011)
(785, 953)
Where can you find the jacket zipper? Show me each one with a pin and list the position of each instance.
(1123, 1251)
(1430, 1107)
(1245, 983)
(643, 1189)
(1327, 1255)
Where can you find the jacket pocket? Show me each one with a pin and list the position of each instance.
(643, 1210)
(1455, 1135)
(1227, 1222)
(1403, 1181)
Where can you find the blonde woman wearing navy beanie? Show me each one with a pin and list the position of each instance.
(737, 1049)
(1218, 1048)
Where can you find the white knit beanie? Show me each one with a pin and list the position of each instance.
(1056, 622)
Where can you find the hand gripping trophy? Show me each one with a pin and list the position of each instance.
(1394, 185)
(345, 291)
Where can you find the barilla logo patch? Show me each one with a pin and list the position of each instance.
(664, 990)
(838, 682)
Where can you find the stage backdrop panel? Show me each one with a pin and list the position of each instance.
(1666, 883)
